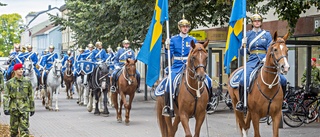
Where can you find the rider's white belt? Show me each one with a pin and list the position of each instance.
(180, 58)
(122, 60)
(258, 52)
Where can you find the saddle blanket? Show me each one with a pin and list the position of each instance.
(87, 67)
(161, 88)
(235, 79)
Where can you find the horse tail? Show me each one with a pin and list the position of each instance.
(161, 119)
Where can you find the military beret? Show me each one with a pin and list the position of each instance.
(17, 66)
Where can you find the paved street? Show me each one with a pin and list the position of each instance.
(75, 121)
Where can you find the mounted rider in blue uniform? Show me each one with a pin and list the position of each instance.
(99, 54)
(87, 63)
(15, 57)
(110, 58)
(119, 61)
(46, 62)
(179, 50)
(65, 58)
(257, 44)
(34, 58)
(76, 66)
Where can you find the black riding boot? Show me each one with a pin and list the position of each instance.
(138, 80)
(166, 111)
(284, 90)
(239, 105)
(62, 85)
(113, 84)
(211, 103)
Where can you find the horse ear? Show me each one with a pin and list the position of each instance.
(127, 60)
(135, 61)
(206, 44)
(192, 44)
(275, 36)
(286, 36)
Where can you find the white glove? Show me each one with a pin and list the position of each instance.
(264, 59)
(99, 62)
(117, 67)
(244, 40)
(167, 43)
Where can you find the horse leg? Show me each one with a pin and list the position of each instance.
(275, 123)
(101, 101)
(89, 105)
(43, 96)
(199, 121)
(174, 126)
(239, 115)
(110, 99)
(71, 89)
(128, 108)
(105, 103)
(185, 123)
(67, 89)
(115, 102)
(255, 122)
(86, 95)
(161, 119)
(97, 95)
(56, 89)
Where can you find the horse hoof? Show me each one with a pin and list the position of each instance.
(96, 113)
(47, 107)
(106, 115)
(119, 120)
(89, 109)
(71, 97)
(57, 110)
(127, 122)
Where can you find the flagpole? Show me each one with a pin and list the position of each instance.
(244, 63)
(169, 68)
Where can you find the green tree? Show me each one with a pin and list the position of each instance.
(9, 32)
(110, 21)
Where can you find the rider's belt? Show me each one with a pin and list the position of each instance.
(180, 58)
(98, 59)
(123, 61)
(258, 52)
(50, 62)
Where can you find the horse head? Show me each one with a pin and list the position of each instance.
(28, 66)
(197, 60)
(103, 74)
(57, 65)
(130, 70)
(278, 54)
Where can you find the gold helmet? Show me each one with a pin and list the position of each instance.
(183, 22)
(80, 49)
(98, 43)
(29, 46)
(109, 48)
(17, 46)
(255, 17)
(125, 41)
(51, 47)
(118, 48)
(24, 49)
(90, 45)
(69, 52)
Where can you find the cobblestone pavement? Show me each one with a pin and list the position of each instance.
(73, 120)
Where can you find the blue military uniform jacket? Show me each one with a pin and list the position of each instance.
(64, 61)
(122, 55)
(32, 56)
(179, 51)
(47, 60)
(99, 55)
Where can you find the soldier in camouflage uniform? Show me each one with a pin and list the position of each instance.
(315, 73)
(18, 101)
(1, 85)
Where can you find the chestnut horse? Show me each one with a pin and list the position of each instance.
(127, 85)
(266, 96)
(68, 79)
(193, 96)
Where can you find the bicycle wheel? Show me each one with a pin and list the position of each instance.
(311, 109)
(295, 115)
(214, 104)
(227, 100)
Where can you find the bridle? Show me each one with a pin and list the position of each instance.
(69, 70)
(126, 73)
(194, 68)
(56, 69)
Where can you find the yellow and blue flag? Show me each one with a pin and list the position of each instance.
(235, 32)
(151, 48)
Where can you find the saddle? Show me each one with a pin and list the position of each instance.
(235, 79)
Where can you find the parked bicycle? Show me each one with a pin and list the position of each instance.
(219, 97)
(300, 106)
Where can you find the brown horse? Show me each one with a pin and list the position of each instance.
(68, 79)
(127, 85)
(265, 98)
(193, 96)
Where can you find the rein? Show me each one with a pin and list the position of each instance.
(69, 72)
(126, 75)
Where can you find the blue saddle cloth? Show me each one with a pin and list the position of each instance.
(235, 79)
(161, 88)
(87, 67)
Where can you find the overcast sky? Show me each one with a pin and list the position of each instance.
(23, 7)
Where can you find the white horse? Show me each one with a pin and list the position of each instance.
(82, 90)
(53, 84)
(30, 74)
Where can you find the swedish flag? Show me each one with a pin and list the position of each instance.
(151, 48)
(235, 32)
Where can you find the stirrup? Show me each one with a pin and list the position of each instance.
(239, 106)
(113, 89)
(166, 111)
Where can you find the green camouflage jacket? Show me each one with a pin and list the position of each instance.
(315, 76)
(18, 95)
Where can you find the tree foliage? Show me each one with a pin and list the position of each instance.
(9, 32)
(111, 21)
